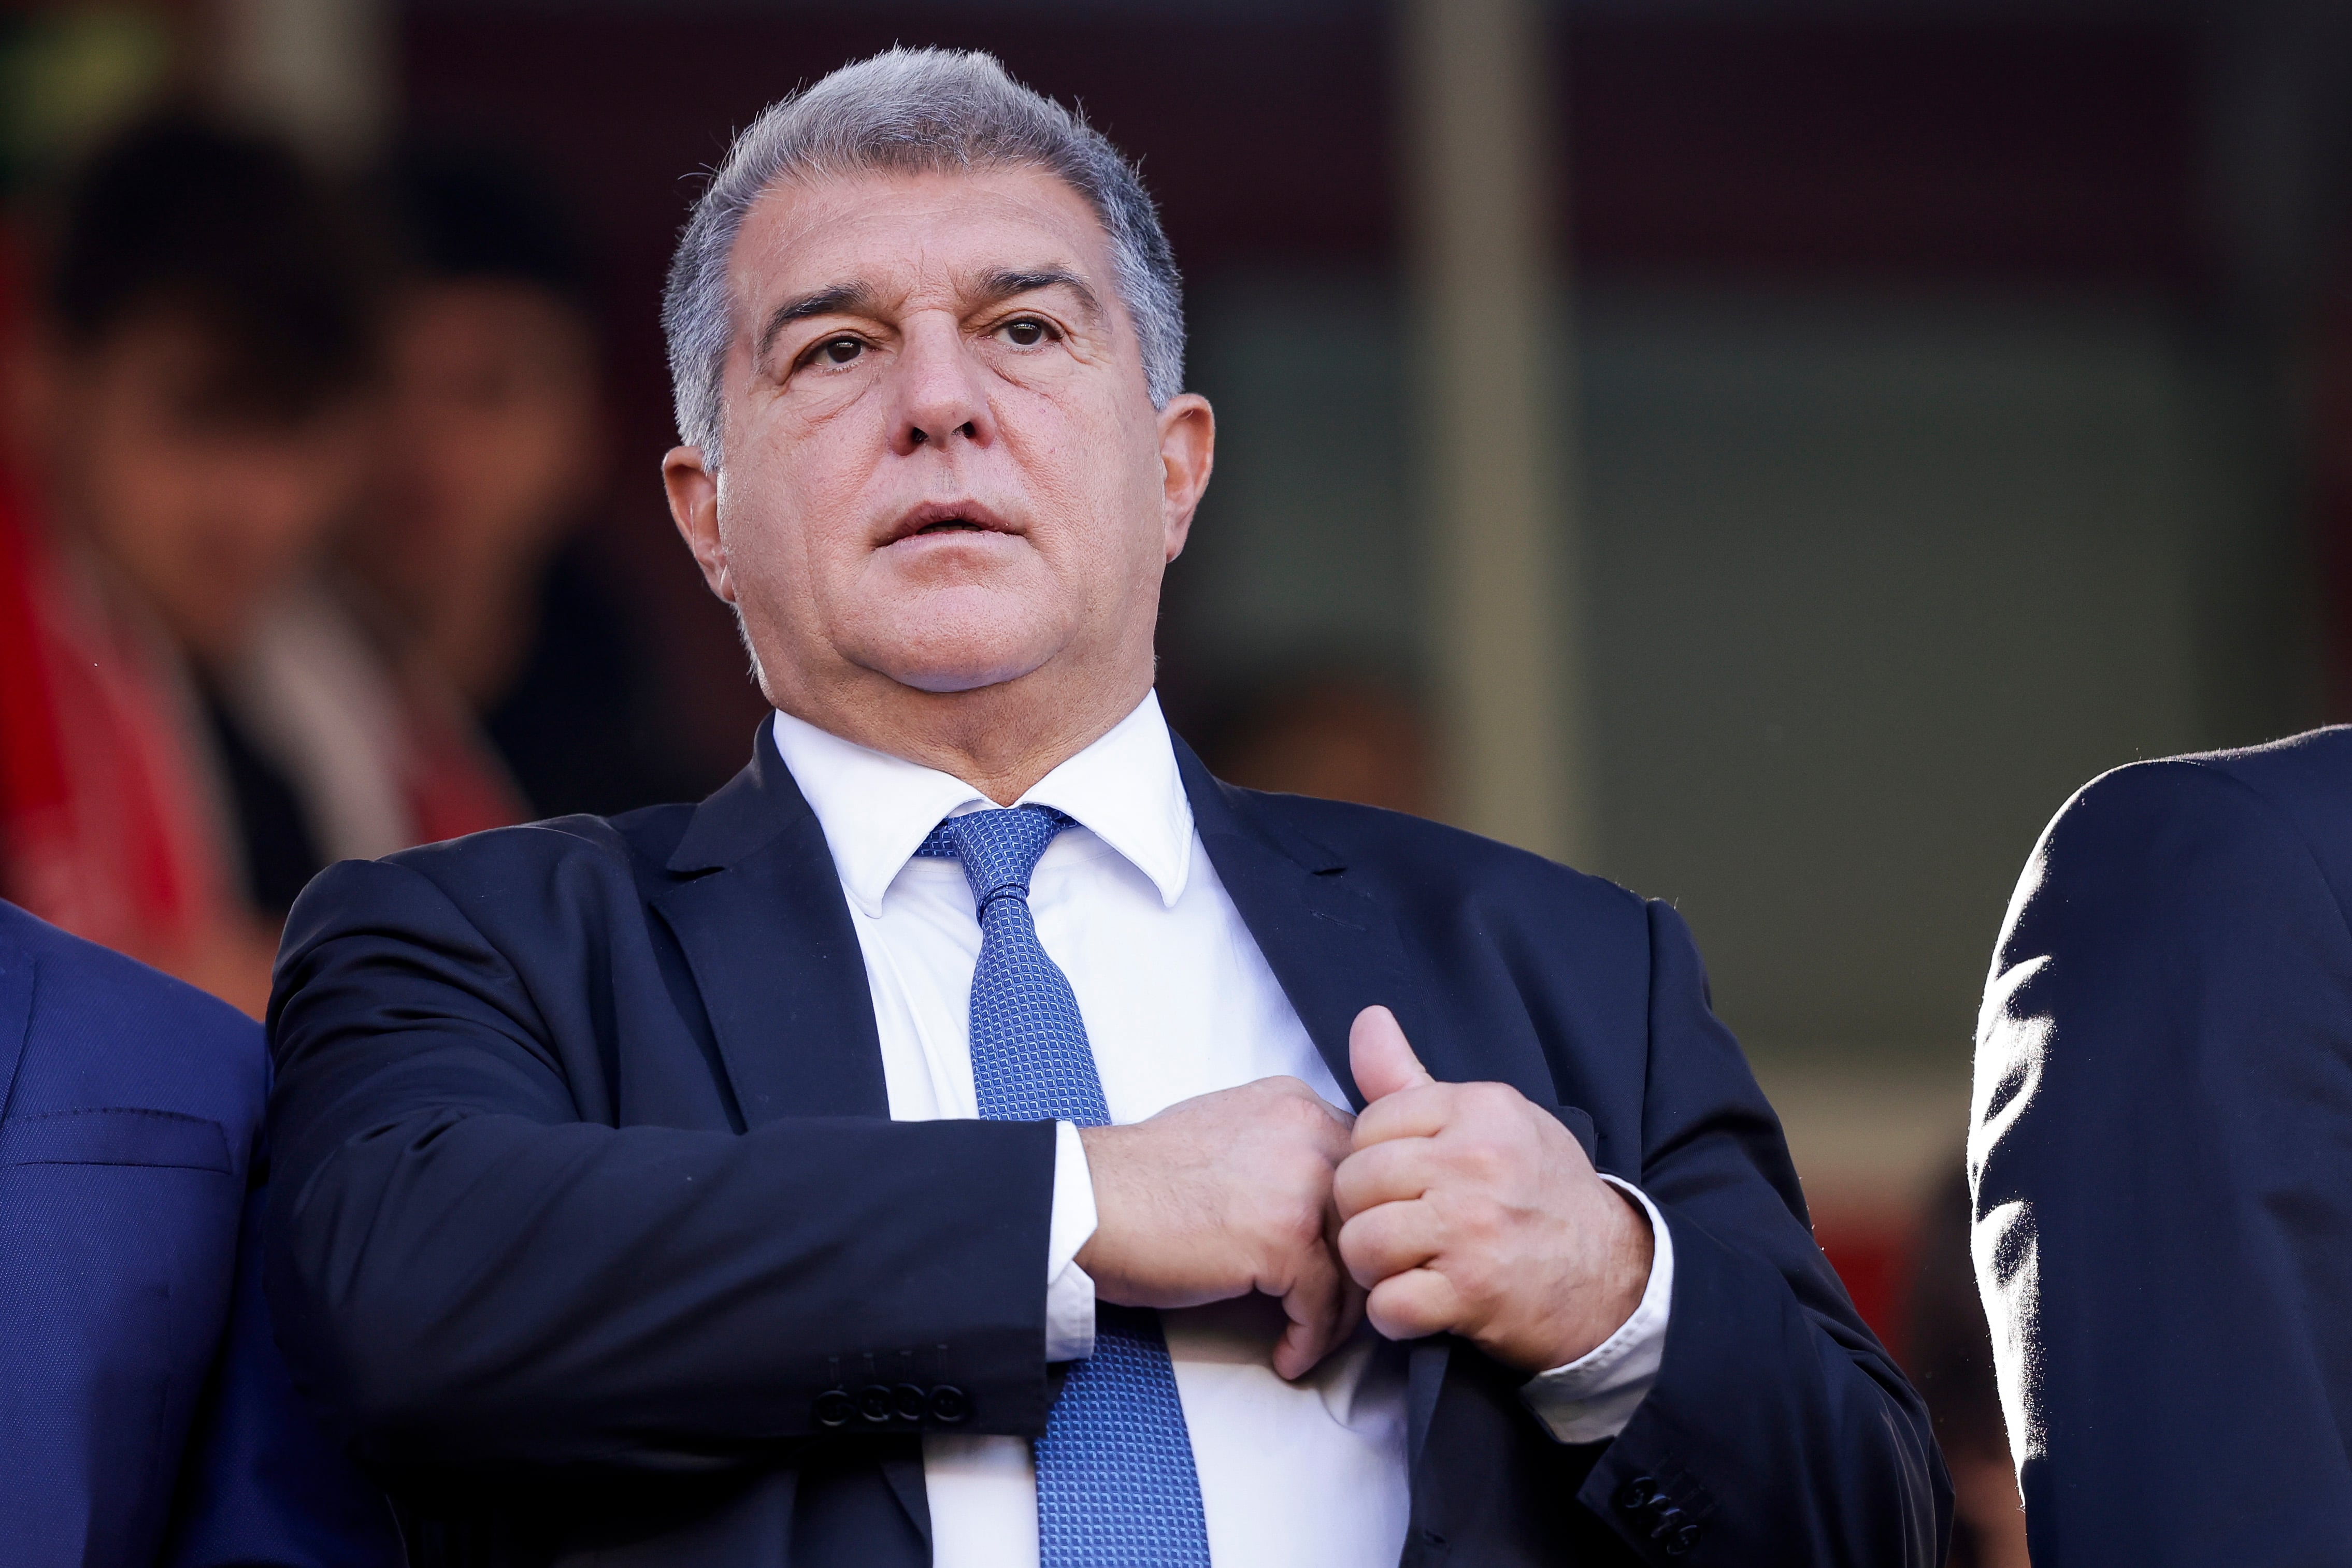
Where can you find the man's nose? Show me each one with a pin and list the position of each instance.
(942, 396)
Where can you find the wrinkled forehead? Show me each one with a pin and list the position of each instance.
(904, 236)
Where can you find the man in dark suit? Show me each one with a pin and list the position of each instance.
(2162, 1160)
(145, 1414)
(932, 1148)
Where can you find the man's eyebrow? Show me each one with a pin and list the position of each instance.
(839, 298)
(1007, 283)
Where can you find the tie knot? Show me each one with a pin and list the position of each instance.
(998, 848)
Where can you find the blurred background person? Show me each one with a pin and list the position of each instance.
(193, 421)
(496, 451)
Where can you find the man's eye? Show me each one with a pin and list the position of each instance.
(1025, 334)
(840, 351)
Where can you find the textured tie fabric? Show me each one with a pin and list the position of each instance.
(1116, 1487)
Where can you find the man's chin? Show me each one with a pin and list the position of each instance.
(948, 678)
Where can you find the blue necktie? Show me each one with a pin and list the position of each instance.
(1114, 1479)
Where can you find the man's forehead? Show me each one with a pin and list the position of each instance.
(893, 232)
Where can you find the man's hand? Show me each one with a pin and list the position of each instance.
(1222, 1195)
(1469, 1211)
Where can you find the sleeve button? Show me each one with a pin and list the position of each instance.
(874, 1403)
(1638, 1494)
(835, 1407)
(950, 1405)
(909, 1401)
(1683, 1539)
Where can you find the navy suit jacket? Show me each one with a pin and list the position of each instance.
(2163, 1159)
(142, 1407)
(591, 1217)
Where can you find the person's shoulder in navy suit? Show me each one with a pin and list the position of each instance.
(2163, 1162)
(144, 1415)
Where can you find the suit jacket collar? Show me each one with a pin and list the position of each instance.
(744, 814)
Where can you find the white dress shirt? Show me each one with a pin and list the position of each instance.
(1178, 1001)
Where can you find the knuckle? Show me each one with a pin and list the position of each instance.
(1289, 1110)
(1481, 1163)
(1473, 1275)
(1491, 1100)
(1475, 1221)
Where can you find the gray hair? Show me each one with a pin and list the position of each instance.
(910, 111)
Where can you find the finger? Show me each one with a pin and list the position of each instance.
(1394, 1239)
(1316, 1305)
(1381, 1057)
(1409, 1305)
(1352, 1295)
(1397, 1171)
(1421, 1111)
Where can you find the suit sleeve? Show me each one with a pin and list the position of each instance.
(2163, 1176)
(479, 1276)
(1779, 1430)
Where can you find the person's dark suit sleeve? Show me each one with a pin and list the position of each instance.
(2163, 1164)
(476, 1275)
(1778, 1430)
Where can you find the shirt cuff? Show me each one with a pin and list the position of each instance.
(1593, 1397)
(1069, 1289)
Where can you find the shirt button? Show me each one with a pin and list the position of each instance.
(950, 1405)
(835, 1407)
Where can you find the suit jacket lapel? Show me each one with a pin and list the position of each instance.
(1333, 949)
(766, 930)
(1336, 952)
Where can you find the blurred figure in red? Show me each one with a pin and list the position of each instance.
(205, 726)
(496, 455)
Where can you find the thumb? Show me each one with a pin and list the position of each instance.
(1381, 1057)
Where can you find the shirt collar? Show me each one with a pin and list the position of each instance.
(876, 809)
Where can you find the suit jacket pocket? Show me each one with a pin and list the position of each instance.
(116, 1135)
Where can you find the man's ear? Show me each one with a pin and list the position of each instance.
(1187, 450)
(693, 491)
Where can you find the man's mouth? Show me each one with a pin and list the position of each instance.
(948, 517)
